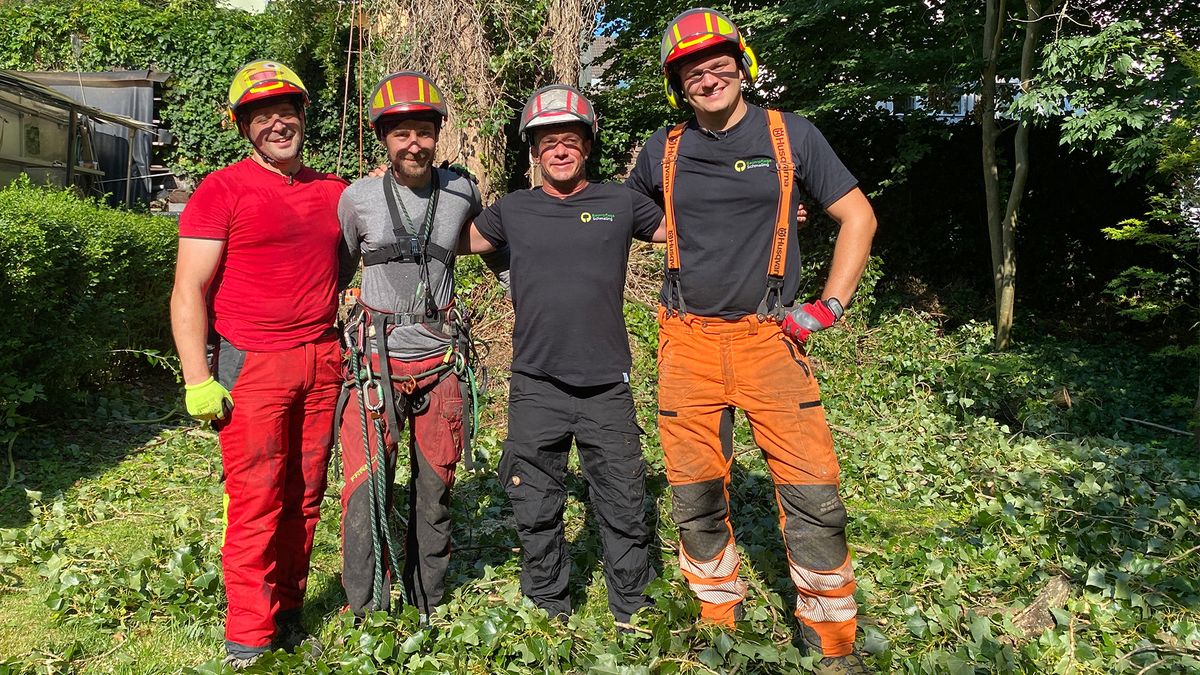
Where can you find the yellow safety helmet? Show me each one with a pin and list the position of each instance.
(263, 79)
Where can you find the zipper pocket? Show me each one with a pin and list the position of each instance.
(792, 351)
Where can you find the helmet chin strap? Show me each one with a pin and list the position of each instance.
(274, 162)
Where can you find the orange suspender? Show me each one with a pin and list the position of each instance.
(786, 171)
(787, 174)
(670, 152)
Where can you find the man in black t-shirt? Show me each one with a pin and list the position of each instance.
(569, 242)
(728, 180)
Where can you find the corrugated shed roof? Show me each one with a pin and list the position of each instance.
(21, 84)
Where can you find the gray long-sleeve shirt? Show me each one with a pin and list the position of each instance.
(393, 287)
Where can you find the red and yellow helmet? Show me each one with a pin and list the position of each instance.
(263, 79)
(557, 104)
(405, 93)
(694, 31)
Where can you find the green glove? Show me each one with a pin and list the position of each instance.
(206, 401)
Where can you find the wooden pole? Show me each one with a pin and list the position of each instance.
(132, 133)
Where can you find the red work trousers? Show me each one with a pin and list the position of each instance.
(707, 368)
(275, 446)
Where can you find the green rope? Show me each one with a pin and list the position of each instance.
(474, 403)
(377, 578)
(382, 532)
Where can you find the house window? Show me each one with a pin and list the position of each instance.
(33, 140)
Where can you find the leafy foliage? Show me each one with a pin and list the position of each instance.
(80, 280)
(968, 481)
(202, 44)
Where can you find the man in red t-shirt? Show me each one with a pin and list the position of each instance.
(256, 279)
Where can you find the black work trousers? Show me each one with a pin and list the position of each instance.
(544, 415)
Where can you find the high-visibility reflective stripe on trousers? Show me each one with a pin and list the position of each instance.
(715, 581)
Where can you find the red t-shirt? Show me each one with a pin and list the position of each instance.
(276, 284)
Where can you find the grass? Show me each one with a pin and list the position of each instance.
(968, 489)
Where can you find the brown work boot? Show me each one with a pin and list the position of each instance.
(850, 664)
(807, 640)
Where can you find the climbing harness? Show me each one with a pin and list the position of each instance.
(771, 306)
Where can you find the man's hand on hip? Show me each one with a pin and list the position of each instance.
(810, 318)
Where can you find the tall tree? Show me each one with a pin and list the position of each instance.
(837, 61)
(1002, 215)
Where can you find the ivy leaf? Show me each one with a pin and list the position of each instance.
(1096, 579)
(711, 658)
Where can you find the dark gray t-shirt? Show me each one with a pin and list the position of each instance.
(726, 195)
(568, 277)
(395, 286)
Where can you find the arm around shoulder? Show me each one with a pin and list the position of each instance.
(471, 241)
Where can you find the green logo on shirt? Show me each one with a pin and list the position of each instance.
(586, 217)
(743, 164)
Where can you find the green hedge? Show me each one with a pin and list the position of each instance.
(77, 280)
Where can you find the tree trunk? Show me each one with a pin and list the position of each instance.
(993, 25)
(1002, 218)
(450, 43)
(455, 42)
(569, 27)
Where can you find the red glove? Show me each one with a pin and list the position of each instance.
(809, 318)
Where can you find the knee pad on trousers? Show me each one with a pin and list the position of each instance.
(701, 511)
(814, 525)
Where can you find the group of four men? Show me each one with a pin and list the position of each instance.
(265, 244)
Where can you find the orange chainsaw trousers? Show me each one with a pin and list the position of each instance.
(707, 368)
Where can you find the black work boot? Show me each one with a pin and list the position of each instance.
(807, 640)
(239, 663)
(850, 664)
(290, 635)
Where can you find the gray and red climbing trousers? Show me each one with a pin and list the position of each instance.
(429, 403)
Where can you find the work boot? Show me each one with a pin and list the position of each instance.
(290, 635)
(240, 663)
(850, 664)
(808, 641)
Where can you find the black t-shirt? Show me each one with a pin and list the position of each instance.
(568, 277)
(726, 194)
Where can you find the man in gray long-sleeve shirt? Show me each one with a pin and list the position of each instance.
(404, 226)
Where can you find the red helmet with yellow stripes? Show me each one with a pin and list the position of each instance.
(263, 79)
(407, 92)
(694, 31)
